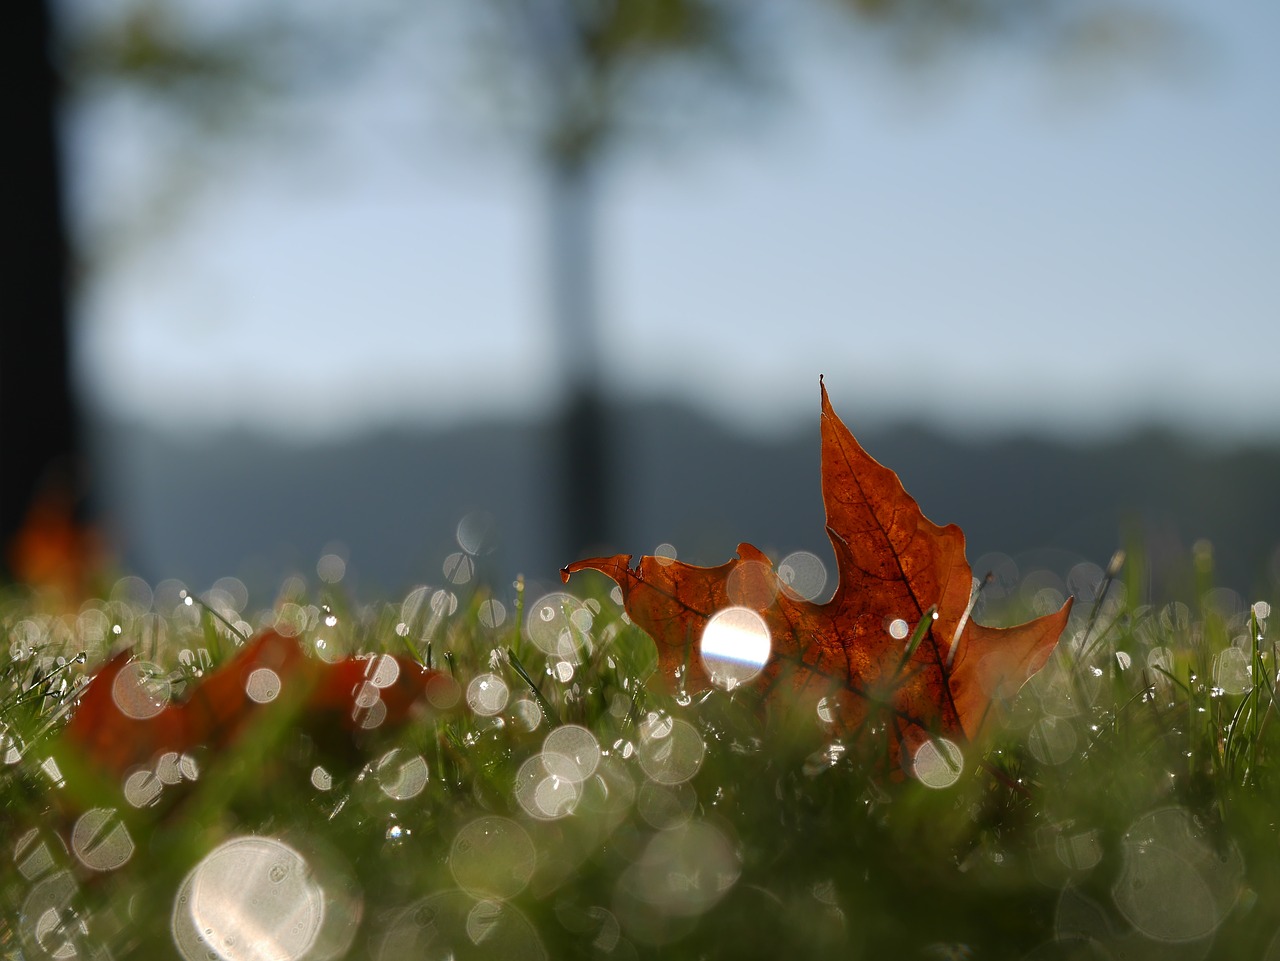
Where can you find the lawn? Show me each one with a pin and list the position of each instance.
(561, 800)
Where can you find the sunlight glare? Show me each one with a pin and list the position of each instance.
(735, 646)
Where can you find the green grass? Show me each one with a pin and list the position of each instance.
(1127, 809)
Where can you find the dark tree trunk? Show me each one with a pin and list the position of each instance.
(584, 475)
(39, 437)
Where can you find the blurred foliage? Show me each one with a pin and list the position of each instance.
(570, 77)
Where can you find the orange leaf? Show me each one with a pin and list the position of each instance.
(124, 720)
(896, 568)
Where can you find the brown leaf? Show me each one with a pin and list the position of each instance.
(895, 568)
(124, 719)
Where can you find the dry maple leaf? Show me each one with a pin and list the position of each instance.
(124, 721)
(867, 646)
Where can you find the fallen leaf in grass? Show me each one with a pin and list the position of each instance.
(895, 645)
(125, 718)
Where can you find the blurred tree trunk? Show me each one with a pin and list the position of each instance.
(584, 478)
(39, 431)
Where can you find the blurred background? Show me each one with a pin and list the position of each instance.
(358, 291)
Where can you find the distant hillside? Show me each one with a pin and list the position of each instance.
(259, 508)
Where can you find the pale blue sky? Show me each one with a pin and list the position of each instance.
(1014, 250)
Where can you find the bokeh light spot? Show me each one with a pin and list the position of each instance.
(1175, 885)
(577, 746)
(100, 840)
(735, 646)
(665, 806)
(545, 788)
(491, 613)
(459, 568)
(1232, 671)
(803, 575)
(527, 713)
(552, 626)
(139, 691)
(752, 584)
(452, 924)
(262, 685)
(142, 788)
(331, 568)
(492, 857)
(383, 671)
(938, 763)
(476, 533)
(670, 750)
(401, 775)
(250, 899)
(682, 873)
(665, 554)
(1052, 740)
(487, 694)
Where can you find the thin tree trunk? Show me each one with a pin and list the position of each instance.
(584, 474)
